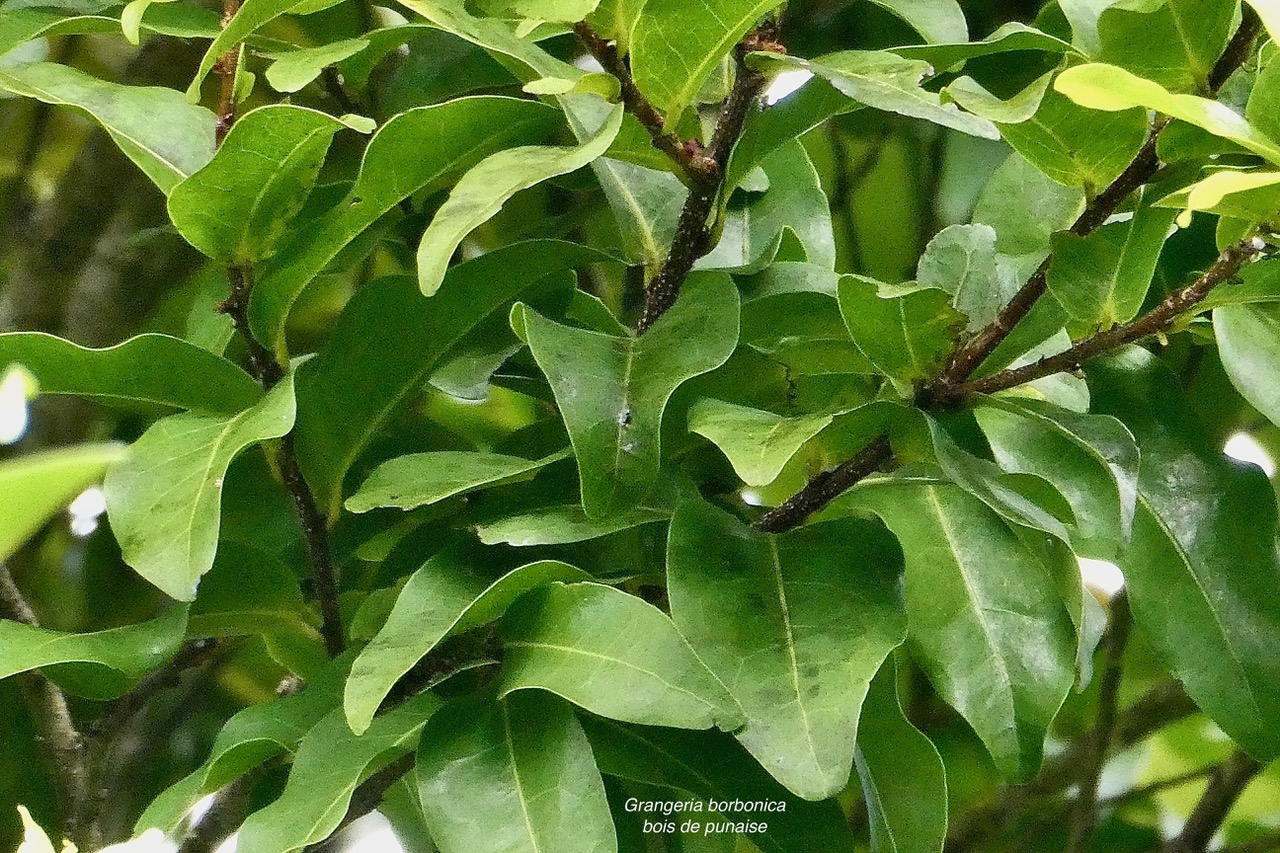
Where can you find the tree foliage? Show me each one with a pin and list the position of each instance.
(511, 413)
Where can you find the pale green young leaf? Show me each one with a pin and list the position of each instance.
(147, 369)
(164, 499)
(293, 71)
(612, 391)
(1106, 87)
(758, 443)
(421, 479)
(446, 596)
(330, 763)
(168, 138)
(987, 621)
(240, 205)
(514, 775)
(613, 654)
(970, 95)
(903, 780)
(413, 150)
(1247, 195)
(34, 487)
(489, 184)
(795, 626)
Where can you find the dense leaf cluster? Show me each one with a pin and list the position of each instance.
(542, 419)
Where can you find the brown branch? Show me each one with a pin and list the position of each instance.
(1175, 781)
(823, 488)
(1155, 321)
(56, 732)
(227, 67)
(366, 798)
(1099, 740)
(693, 230)
(688, 156)
(1225, 786)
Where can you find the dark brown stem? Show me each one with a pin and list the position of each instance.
(1225, 786)
(693, 229)
(230, 806)
(1238, 49)
(1155, 321)
(1099, 740)
(688, 156)
(59, 739)
(226, 67)
(823, 488)
(1175, 781)
(367, 797)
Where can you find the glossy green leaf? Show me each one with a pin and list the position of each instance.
(240, 205)
(446, 596)
(512, 776)
(758, 443)
(413, 150)
(906, 333)
(1263, 107)
(961, 259)
(330, 762)
(1091, 459)
(251, 16)
(559, 525)
(939, 21)
(293, 71)
(613, 654)
(903, 780)
(795, 626)
(145, 369)
(34, 487)
(1103, 278)
(164, 499)
(156, 128)
(1075, 146)
(1105, 87)
(676, 45)
(1202, 570)
(345, 398)
(612, 391)
(1018, 108)
(787, 120)
(711, 765)
(886, 81)
(986, 620)
(249, 591)
(486, 187)
(1175, 42)
(499, 37)
(1013, 36)
(1247, 343)
(116, 657)
(421, 479)
(1025, 208)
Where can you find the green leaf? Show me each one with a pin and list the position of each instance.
(1091, 459)
(886, 81)
(961, 259)
(1075, 146)
(145, 369)
(759, 444)
(251, 737)
(164, 499)
(559, 525)
(34, 487)
(787, 120)
(1103, 278)
(970, 95)
(250, 17)
(512, 776)
(113, 659)
(613, 654)
(795, 626)
(1263, 107)
(1105, 87)
(412, 151)
(1202, 570)
(165, 136)
(446, 596)
(676, 44)
(293, 71)
(1270, 16)
(612, 390)
(483, 190)
(559, 11)
(530, 61)
(987, 622)
(1025, 208)
(906, 335)
(903, 780)
(1247, 336)
(1013, 36)
(345, 396)
(710, 765)
(250, 591)
(421, 479)
(240, 206)
(330, 762)
(1176, 43)
(939, 21)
